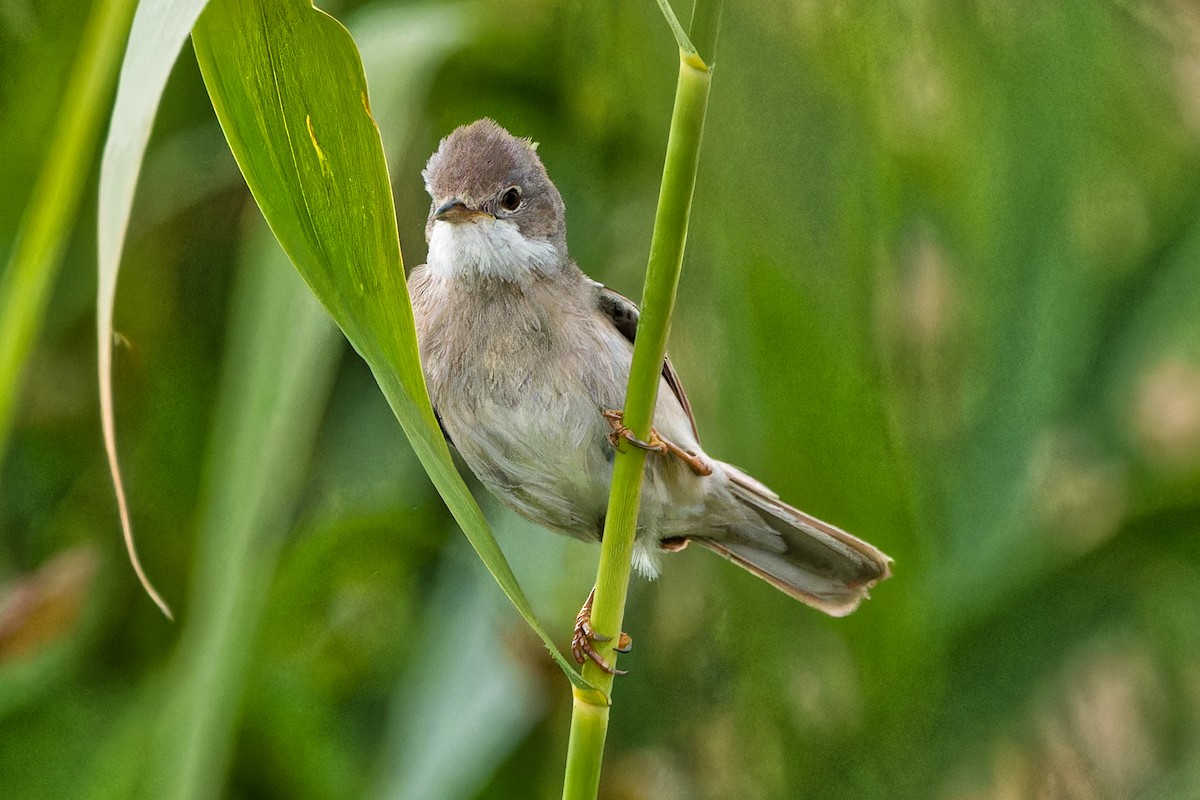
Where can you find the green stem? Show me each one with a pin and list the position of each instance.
(37, 255)
(589, 721)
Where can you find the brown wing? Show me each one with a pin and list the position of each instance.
(624, 315)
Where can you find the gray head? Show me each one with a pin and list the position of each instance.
(495, 212)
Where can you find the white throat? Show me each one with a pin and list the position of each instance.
(489, 248)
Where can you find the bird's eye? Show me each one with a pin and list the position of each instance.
(511, 199)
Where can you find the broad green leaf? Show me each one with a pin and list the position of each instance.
(28, 278)
(159, 30)
(280, 363)
(288, 88)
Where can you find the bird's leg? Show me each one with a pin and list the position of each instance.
(657, 444)
(583, 641)
(616, 421)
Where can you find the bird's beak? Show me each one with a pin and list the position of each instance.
(455, 210)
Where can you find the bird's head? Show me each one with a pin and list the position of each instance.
(495, 213)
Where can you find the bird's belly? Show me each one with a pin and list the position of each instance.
(549, 460)
(543, 452)
(524, 409)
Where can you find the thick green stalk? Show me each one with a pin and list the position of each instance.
(662, 278)
(37, 255)
(589, 721)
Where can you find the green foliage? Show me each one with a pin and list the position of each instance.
(34, 261)
(940, 289)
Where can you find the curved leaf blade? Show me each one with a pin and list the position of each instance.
(288, 87)
(155, 39)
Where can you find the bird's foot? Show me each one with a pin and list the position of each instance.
(584, 639)
(657, 444)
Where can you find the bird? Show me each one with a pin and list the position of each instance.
(527, 359)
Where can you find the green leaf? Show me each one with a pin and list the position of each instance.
(158, 32)
(288, 88)
(27, 280)
(283, 355)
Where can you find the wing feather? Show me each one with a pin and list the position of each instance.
(624, 315)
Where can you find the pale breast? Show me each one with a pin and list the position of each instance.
(519, 377)
(510, 387)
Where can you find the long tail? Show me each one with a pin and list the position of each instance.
(811, 560)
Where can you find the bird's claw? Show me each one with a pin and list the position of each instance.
(584, 639)
(657, 444)
(616, 420)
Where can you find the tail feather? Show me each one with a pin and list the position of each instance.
(813, 561)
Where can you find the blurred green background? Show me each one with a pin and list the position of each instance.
(943, 289)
